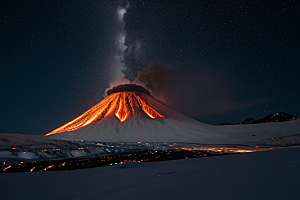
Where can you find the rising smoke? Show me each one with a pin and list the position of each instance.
(132, 59)
(128, 47)
(159, 78)
(118, 64)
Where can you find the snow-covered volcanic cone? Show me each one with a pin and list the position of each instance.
(131, 114)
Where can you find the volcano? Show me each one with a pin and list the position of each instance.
(124, 101)
(130, 114)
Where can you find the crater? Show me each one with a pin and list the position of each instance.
(128, 88)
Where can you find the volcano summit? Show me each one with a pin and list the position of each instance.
(128, 88)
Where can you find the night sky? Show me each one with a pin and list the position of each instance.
(232, 59)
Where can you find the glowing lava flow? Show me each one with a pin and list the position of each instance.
(121, 104)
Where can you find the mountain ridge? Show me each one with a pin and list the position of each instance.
(277, 117)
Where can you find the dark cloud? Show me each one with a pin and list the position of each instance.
(159, 77)
(203, 94)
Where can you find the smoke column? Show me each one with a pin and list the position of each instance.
(159, 78)
(118, 65)
(132, 58)
(128, 48)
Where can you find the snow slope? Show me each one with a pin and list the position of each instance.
(178, 129)
(260, 175)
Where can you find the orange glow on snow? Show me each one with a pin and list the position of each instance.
(121, 104)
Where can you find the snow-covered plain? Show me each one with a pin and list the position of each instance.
(147, 134)
(261, 175)
(15, 148)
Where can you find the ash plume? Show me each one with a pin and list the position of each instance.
(157, 77)
(120, 35)
(127, 50)
(132, 63)
(160, 78)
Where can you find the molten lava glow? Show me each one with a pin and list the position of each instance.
(121, 104)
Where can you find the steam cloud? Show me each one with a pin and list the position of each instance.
(128, 47)
(120, 40)
(160, 78)
(131, 59)
(157, 77)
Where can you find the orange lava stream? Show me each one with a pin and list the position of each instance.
(121, 104)
(147, 108)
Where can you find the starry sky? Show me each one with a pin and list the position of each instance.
(232, 59)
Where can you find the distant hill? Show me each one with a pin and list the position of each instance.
(278, 117)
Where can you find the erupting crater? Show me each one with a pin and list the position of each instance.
(123, 101)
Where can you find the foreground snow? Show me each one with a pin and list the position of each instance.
(261, 175)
